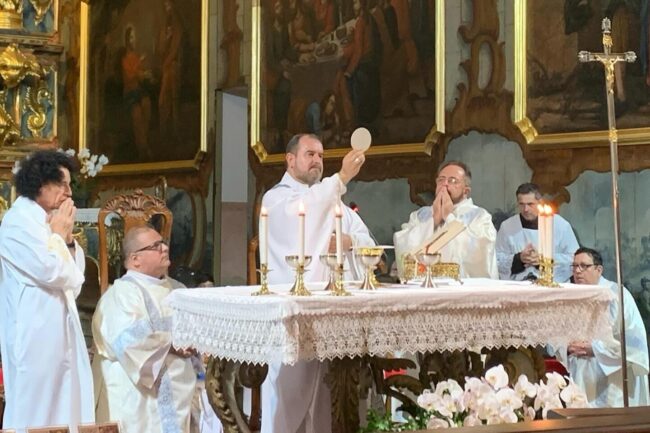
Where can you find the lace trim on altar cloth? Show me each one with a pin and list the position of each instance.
(264, 331)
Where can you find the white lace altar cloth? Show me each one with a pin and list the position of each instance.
(229, 323)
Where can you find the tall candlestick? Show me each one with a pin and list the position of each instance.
(263, 236)
(339, 240)
(301, 234)
(541, 225)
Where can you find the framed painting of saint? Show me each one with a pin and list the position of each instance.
(560, 101)
(330, 66)
(143, 84)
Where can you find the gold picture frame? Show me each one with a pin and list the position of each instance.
(257, 102)
(151, 164)
(566, 140)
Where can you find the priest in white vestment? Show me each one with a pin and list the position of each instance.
(517, 241)
(473, 249)
(141, 380)
(45, 361)
(596, 365)
(294, 398)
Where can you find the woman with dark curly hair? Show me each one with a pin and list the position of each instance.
(45, 361)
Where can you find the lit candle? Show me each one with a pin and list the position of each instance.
(540, 230)
(339, 240)
(301, 234)
(12, 195)
(264, 233)
(549, 231)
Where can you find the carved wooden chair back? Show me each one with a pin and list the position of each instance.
(108, 427)
(132, 210)
(50, 429)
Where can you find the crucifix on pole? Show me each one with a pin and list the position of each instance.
(609, 59)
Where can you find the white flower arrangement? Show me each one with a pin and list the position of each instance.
(489, 400)
(89, 164)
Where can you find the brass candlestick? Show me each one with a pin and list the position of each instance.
(428, 260)
(339, 288)
(299, 288)
(546, 273)
(264, 282)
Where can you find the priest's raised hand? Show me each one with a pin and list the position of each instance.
(351, 165)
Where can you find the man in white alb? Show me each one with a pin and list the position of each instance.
(596, 365)
(517, 241)
(294, 398)
(44, 357)
(141, 380)
(473, 248)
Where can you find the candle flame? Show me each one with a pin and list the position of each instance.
(540, 209)
(548, 209)
(301, 209)
(263, 212)
(337, 211)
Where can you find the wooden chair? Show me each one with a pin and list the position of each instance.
(132, 210)
(7, 431)
(108, 427)
(50, 429)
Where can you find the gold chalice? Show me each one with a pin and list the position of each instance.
(298, 288)
(329, 260)
(370, 257)
(428, 260)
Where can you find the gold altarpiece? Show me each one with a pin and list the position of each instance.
(30, 52)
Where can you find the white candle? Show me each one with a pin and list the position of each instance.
(301, 234)
(541, 220)
(12, 195)
(549, 231)
(339, 240)
(263, 236)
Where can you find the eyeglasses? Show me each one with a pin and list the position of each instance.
(156, 246)
(449, 180)
(582, 266)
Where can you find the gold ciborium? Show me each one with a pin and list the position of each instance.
(428, 260)
(298, 288)
(370, 257)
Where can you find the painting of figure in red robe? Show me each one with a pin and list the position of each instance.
(144, 77)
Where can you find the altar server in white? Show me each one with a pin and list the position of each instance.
(294, 398)
(45, 361)
(472, 249)
(517, 241)
(141, 380)
(596, 365)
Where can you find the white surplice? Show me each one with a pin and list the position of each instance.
(600, 376)
(45, 361)
(512, 238)
(137, 380)
(472, 249)
(294, 398)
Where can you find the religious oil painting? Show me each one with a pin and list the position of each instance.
(145, 81)
(328, 67)
(561, 100)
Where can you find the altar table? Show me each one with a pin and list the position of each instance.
(229, 324)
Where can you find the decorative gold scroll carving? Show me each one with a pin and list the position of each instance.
(11, 14)
(35, 103)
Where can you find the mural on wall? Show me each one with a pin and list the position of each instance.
(565, 96)
(329, 67)
(144, 80)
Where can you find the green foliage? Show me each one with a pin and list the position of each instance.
(377, 423)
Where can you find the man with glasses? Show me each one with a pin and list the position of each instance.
(140, 378)
(596, 365)
(472, 249)
(46, 368)
(517, 240)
